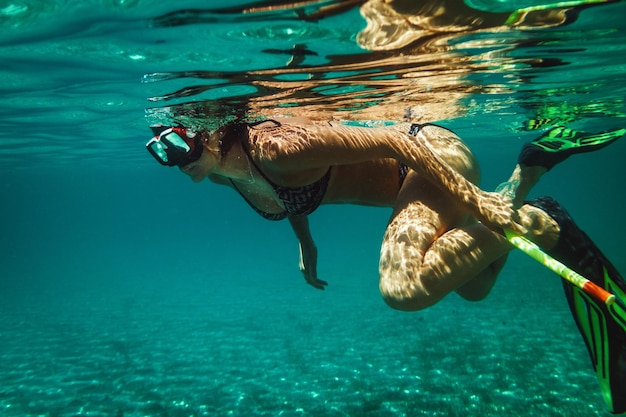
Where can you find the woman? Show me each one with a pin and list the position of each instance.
(433, 243)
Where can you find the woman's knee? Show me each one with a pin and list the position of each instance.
(413, 297)
(404, 283)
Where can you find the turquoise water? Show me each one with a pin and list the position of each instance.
(127, 290)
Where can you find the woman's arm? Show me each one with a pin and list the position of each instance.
(289, 149)
(308, 251)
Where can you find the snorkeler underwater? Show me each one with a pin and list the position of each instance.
(315, 208)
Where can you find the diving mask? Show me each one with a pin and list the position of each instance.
(174, 146)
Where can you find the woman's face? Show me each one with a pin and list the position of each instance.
(200, 169)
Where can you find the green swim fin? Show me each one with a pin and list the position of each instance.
(603, 330)
(558, 143)
(602, 327)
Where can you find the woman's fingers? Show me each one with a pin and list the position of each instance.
(317, 283)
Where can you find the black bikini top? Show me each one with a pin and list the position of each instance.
(298, 201)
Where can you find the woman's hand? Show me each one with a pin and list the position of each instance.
(497, 213)
(308, 265)
(308, 251)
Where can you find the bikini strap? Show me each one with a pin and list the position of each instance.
(416, 127)
(258, 122)
(246, 148)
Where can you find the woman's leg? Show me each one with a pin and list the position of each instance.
(431, 247)
(516, 188)
(536, 158)
(429, 250)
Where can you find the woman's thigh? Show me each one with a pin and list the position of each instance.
(422, 214)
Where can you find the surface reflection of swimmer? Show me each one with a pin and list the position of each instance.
(297, 53)
(408, 57)
(444, 235)
(393, 24)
